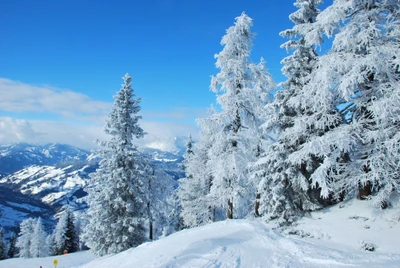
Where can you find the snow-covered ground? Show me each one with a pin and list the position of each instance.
(64, 261)
(334, 237)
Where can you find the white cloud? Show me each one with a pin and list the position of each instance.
(161, 135)
(81, 118)
(18, 97)
(40, 132)
(14, 130)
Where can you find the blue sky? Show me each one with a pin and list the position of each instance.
(62, 61)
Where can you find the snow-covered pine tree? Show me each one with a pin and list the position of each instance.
(78, 223)
(38, 246)
(71, 236)
(193, 192)
(186, 193)
(25, 237)
(363, 69)
(176, 222)
(51, 244)
(174, 219)
(59, 235)
(297, 116)
(242, 89)
(65, 235)
(11, 248)
(116, 191)
(160, 186)
(3, 248)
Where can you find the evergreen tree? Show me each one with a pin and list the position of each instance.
(59, 234)
(65, 236)
(3, 248)
(296, 116)
(160, 186)
(362, 72)
(38, 246)
(116, 191)
(71, 236)
(11, 249)
(194, 190)
(176, 215)
(242, 89)
(78, 223)
(175, 221)
(24, 239)
(51, 244)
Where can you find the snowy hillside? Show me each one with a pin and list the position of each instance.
(17, 156)
(37, 180)
(55, 186)
(330, 238)
(16, 207)
(39, 191)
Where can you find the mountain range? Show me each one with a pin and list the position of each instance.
(38, 180)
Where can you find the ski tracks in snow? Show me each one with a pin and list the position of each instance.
(242, 243)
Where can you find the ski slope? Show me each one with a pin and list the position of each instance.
(333, 237)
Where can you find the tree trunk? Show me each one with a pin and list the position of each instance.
(150, 221)
(211, 212)
(257, 206)
(364, 190)
(229, 214)
(150, 230)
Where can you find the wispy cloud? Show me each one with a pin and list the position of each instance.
(39, 132)
(18, 97)
(80, 119)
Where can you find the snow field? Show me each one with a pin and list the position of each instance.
(328, 238)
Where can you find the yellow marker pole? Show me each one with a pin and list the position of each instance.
(55, 262)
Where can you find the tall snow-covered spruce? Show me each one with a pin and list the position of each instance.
(242, 89)
(362, 70)
(117, 190)
(25, 237)
(299, 115)
(194, 190)
(65, 235)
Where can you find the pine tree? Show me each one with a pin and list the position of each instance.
(299, 116)
(3, 248)
(71, 241)
(116, 191)
(160, 186)
(194, 190)
(176, 215)
(65, 235)
(243, 92)
(59, 234)
(51, 244)
(11, 249)
(24, 239)
(188, 193)
(175, 221)
(78, 223)
(362, 71)
(38, 246)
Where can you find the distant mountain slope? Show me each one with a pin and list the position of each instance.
(47, 177)
(53, 185)
(170, 163)
(15, 207)
(17, 156)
